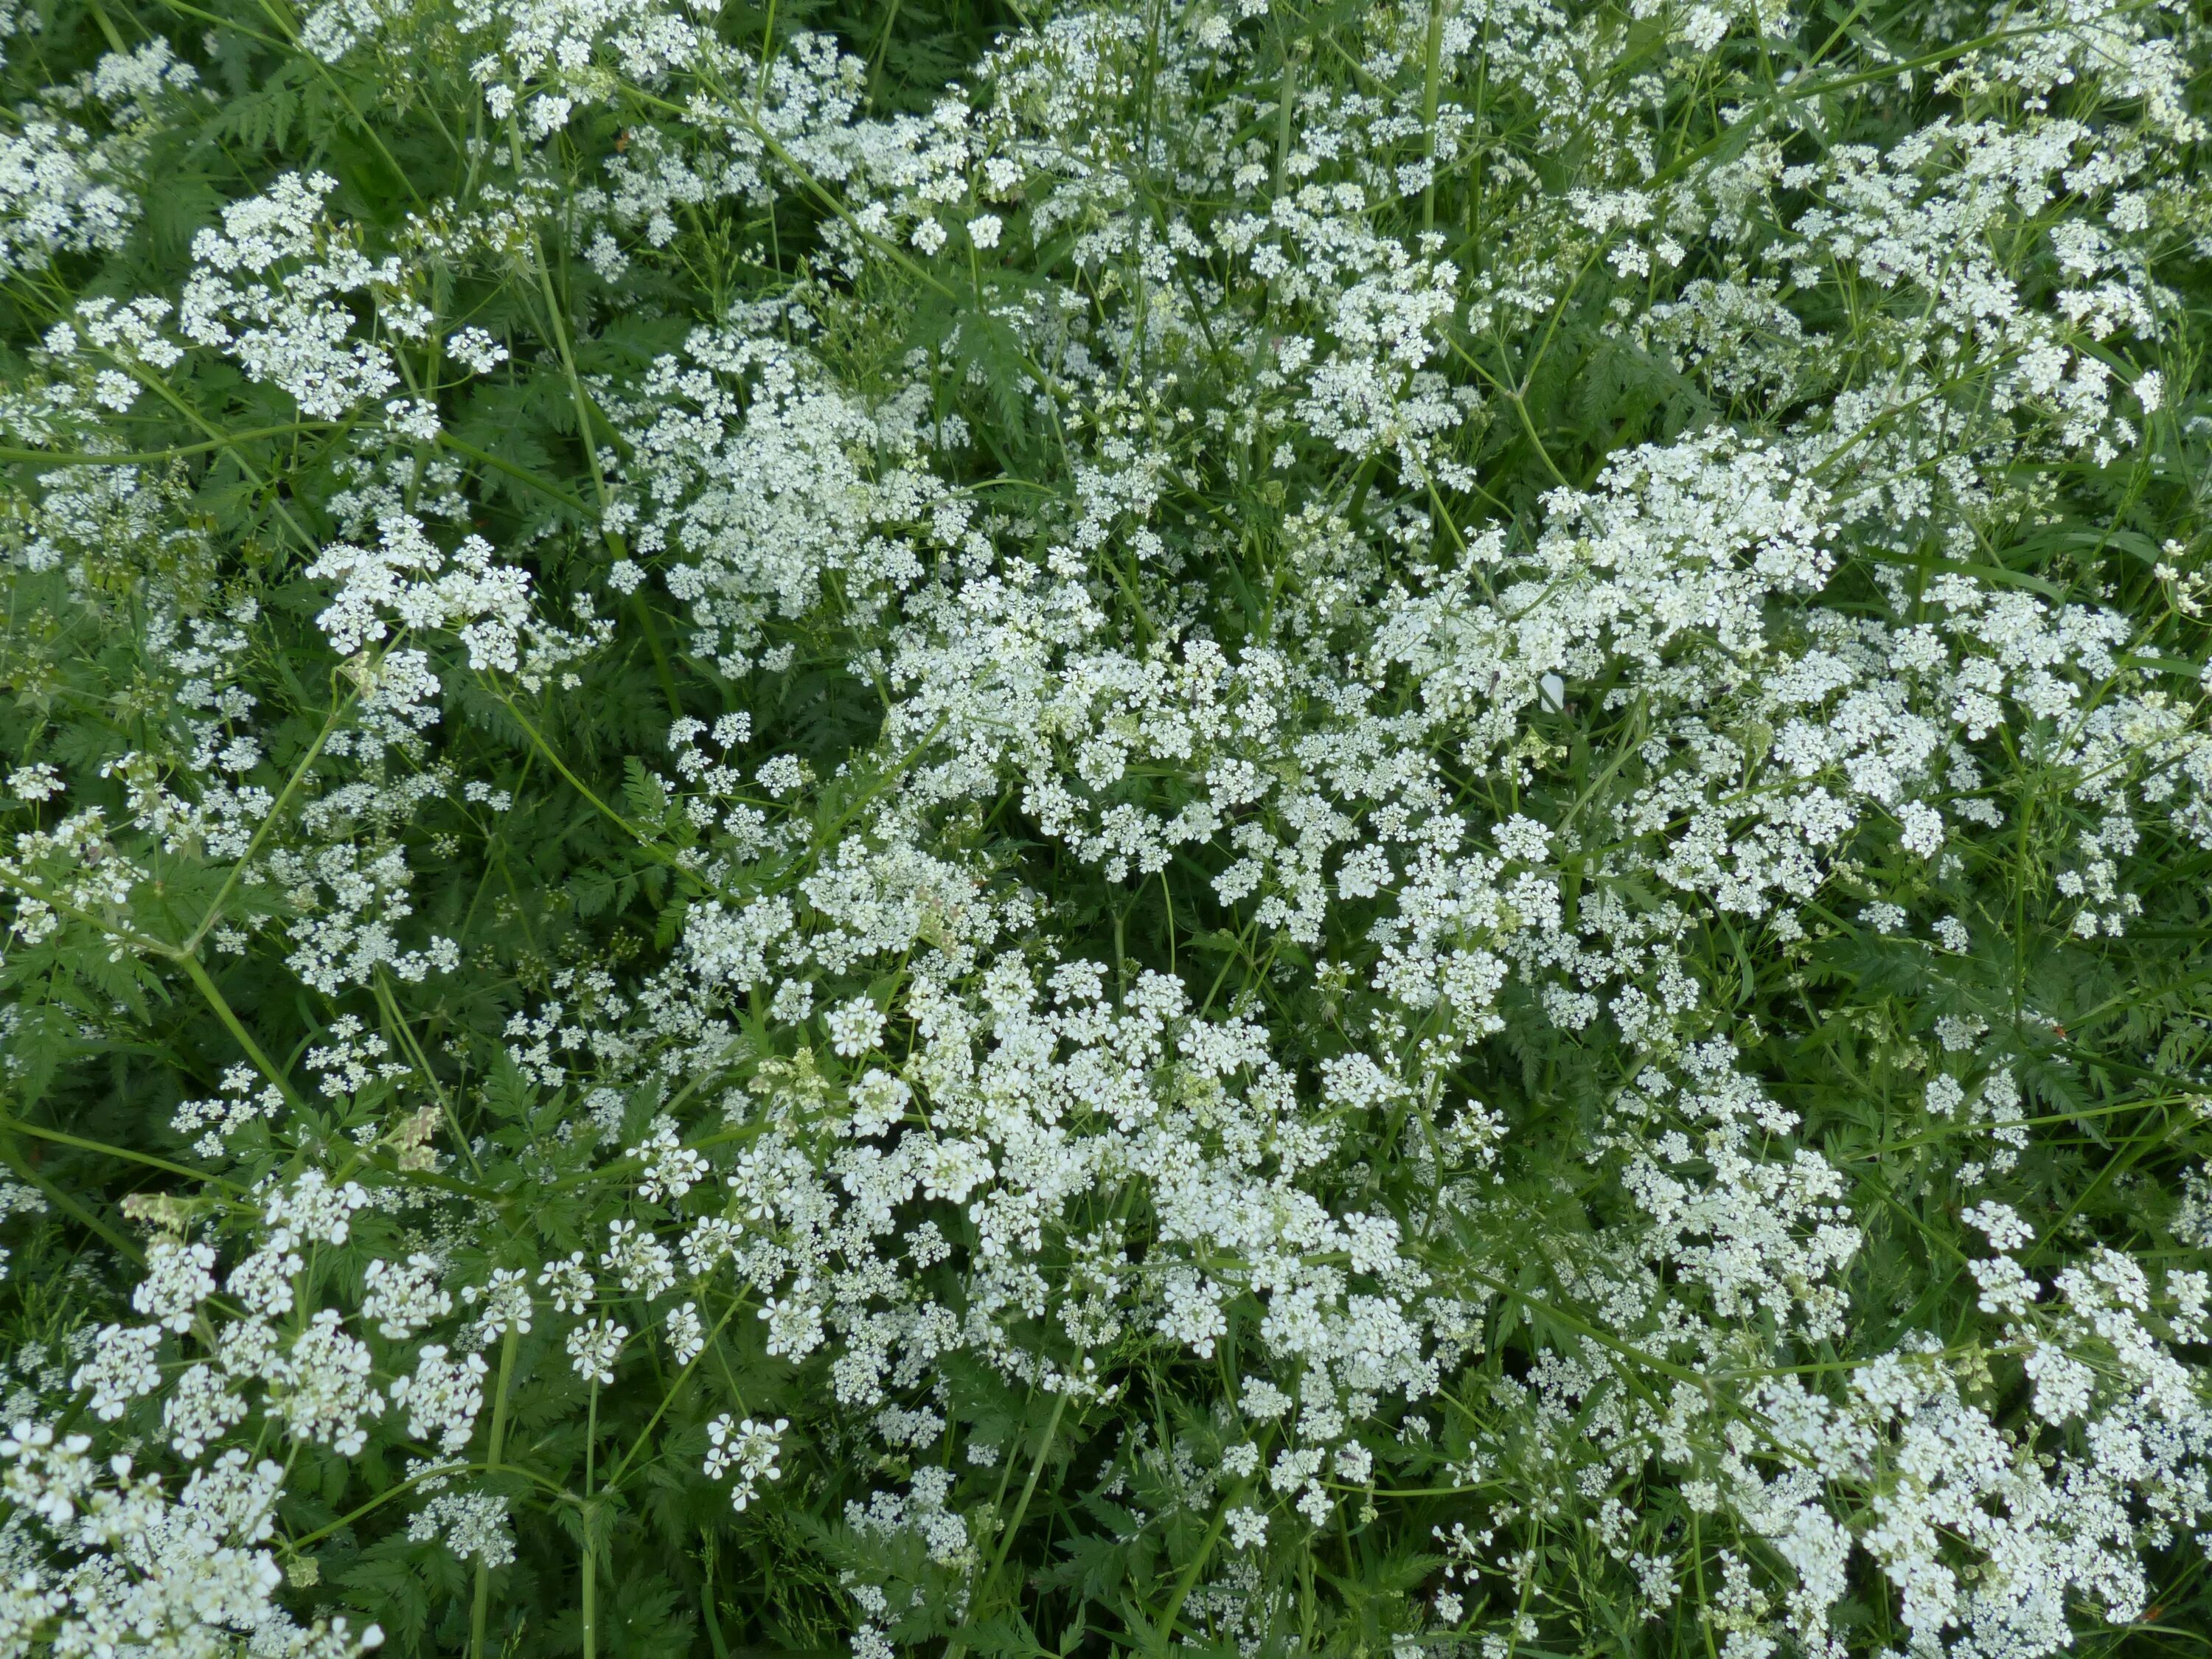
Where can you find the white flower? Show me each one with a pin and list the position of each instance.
(442, 1398)
(403, 1298)
(321, 1387)
(178, 1280)
(473, 1524)
(569, 1282)
(1922, 828)
(687, 1335)
(314, 1210)
(121, 1369)
(476, 350)
(671, 1170)
(200, 1407)
(644, 1265)
(1247, 1528)
(855, 1027)
(593, 1347)
(505, 1302)
(38, 781)
(2001, 1223)
(746, 1451)
(793, 1002)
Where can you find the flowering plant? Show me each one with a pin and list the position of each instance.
(1110, 826)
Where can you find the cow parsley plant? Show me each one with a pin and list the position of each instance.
(1150, 827)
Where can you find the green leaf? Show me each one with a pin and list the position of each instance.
(507, 1093)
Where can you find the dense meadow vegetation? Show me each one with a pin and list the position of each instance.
(1237, 828)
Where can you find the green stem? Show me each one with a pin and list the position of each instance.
(147, 457)
(958, 1645)
(107, 27)
(522, 475)
(338, 90)
(614, 1477)
(481, 1608)
(651, 847)
(17, 1126)
(433, 1472)
(214, 912)
(1429, 109)
(161, 389)
(69, 1207)
(591, 1532)
(198, 976)
(390, 1004)
(1165, 1629)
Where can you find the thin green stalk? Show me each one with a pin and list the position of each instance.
(668, 1396)
(557, 321)
(337, 91)
(161, 389)
(389, 1495)
(591, 1530)
(223, 1012)
(381, 989)
(959, 1643)
(1430, 76)
(17, 1126)
(12, 1156)
(480, 1607)
(213, 914)
(520, 474)
(149, 456)
(1164, 1631)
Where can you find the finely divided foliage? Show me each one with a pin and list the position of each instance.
(1130, 825)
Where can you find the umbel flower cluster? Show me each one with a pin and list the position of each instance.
(1116, 826)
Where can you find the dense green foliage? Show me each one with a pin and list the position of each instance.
(1203, 824)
